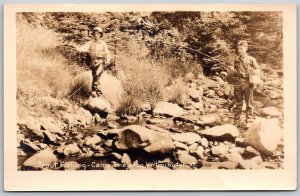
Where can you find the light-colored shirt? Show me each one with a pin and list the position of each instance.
(243, 65)
(97, 49)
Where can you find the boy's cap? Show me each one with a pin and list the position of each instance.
(99, 29)
(242, 43)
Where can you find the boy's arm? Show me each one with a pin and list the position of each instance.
(254, 64)
(84, 48)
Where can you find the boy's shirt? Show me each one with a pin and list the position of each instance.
(97, 49)
(243, 64)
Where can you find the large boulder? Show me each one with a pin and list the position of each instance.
(227, 131)
(264, 135)
(112, 89)
(98, 105)
(41, 159)
(169, 109)
(138, 137)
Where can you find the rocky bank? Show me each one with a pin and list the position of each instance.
(195, 135)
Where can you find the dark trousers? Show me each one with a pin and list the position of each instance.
(97, 70)
(243, 90)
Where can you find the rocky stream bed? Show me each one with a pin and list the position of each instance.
(197, 135)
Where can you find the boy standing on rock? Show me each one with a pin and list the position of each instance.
(243, 89)
(100, 56)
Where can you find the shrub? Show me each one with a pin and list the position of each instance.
(130, 105)
(41, 70)
(81, 86)
(141, 78)
(176, 92)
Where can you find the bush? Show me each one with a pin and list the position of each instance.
(141, 79)
(176, 92)
(81, 86)
(41, 70)
(129, 106)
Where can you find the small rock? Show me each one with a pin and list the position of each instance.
(181, 152)
(41, 159)
(60, 149)
(43, 146)
(112, 117)
(108, 143)
(191, 142)
(193, 147)
(34, 126)
(194, 94)
(187, 159)
(198, 153)
(98, 155)
(271, 111)
(204, 142)
(237, 150)
(222, 132)
(116, 155)
(71, 150)
(186, 137)
(49, 137)
(250, 150)
(209, 120)
(220, 150)
(169, 109)
(29, 146)
(236, 158)
(51, 125)
(95, 139)
(253, 163)
(113, 125)
(181, 146)
(126, 159)
(196, 128)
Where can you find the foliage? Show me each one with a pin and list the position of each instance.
(176, 92)
(41, 71)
